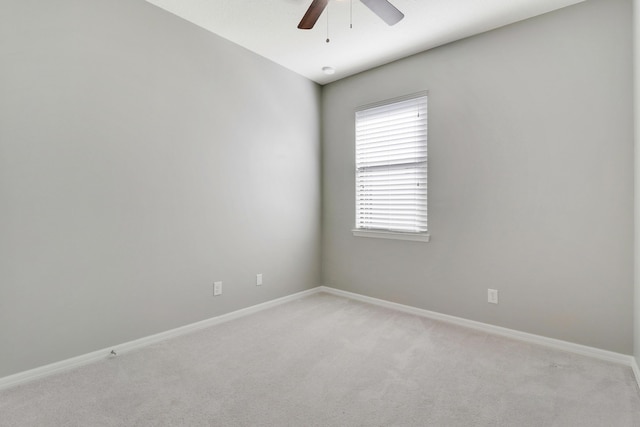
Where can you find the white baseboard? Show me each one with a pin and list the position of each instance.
(496, 330)
(636, 370)
(75, 362)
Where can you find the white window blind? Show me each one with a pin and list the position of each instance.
(391, 166)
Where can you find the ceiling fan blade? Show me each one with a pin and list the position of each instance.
(385, 10)
(313, 13)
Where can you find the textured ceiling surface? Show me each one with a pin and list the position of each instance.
(269, 28)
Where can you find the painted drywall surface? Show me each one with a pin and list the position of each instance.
(530, 179)
(142, 158)
(636, 121)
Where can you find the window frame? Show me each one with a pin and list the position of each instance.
(421, 236)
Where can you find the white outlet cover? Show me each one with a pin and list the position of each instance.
(258, 279)
(217, 288)
(492, 296)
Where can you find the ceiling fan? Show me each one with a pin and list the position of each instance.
(385, 10)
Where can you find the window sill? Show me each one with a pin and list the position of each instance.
(392, 235)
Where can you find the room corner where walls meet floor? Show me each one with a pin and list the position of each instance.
(72, 363)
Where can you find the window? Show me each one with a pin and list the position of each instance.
(391, 169)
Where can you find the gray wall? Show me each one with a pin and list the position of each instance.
(636, 116)
(530, 179)
(142, 158)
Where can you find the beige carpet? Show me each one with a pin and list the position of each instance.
(329, 361)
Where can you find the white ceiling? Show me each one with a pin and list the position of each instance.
(269, 28)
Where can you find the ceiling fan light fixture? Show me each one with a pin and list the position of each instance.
(328, 70)
(383, 8)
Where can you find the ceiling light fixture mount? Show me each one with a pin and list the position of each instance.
(328, 70)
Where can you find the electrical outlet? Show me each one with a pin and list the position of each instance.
(217, 288)
(492, 296)
(258, 279)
